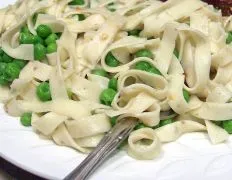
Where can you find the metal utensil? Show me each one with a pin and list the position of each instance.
(107, 146)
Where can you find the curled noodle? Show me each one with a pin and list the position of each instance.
(186, 70)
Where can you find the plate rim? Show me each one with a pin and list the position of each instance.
(20, 165)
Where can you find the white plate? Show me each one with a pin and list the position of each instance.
(191, 157)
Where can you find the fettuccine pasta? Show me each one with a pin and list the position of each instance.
(72, 68)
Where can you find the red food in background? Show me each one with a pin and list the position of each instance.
(224, 5)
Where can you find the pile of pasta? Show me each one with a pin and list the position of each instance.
(203, 68)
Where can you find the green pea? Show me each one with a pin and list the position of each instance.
(59, 34)
(113, 121)
(3, 77)
(155, 127)
(79, 17)
(43, 31)
(77, 2)
(39, 52)
(176, 53)
(100, 72)
(154, 70)
(111, 60)
(140, 126)
(218, 123)
(34, 18)
(113, 84)
(143, 65)
(12, 71)
(43, 92)
(166, 122)
(229, 38)
(51, 39)
(144, 53)
(3, 80)
(37, 40)
(148, 67)
(134, 32)
(26, 38)
(1, 52)
(186, 95)
(25, 119)
(227, 125)
(20, 63)
(6, 58)
(112, 9)
(51, 48)
(70, 93)
(2, 68)
(107, 96)
(25, 29)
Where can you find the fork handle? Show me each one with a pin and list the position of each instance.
(105, 148)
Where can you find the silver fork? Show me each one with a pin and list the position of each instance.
(107, 146)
